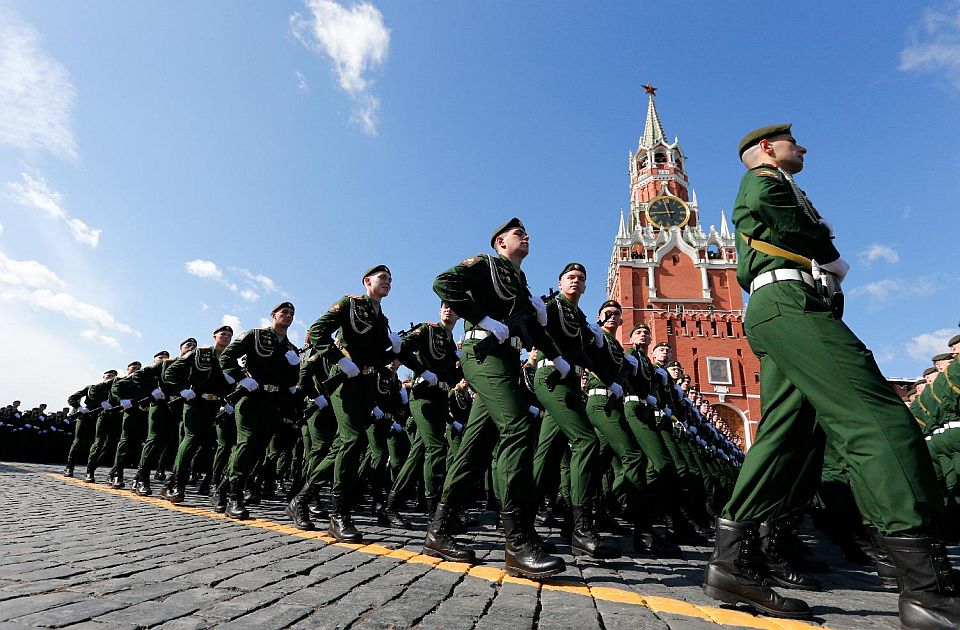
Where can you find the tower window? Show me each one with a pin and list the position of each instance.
(699, 328)
(660, 158)
(729, 329)
(669, 328)
(675, 259)
(713, 327)
(713, 252)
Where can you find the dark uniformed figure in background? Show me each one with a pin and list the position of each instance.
(816, 375)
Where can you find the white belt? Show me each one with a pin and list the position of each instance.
(441, 384)
(576, 369)
(779, 275)
(599, 392)
(478, 333)
(951, 425)
(632, 398)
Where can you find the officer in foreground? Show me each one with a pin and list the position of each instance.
(815, 372)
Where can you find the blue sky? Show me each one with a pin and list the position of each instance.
(166, 165)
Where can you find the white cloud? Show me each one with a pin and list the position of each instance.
(107, 340)
(924, 346)
(204, 306)
(203, 269)
(935, 43)
(883, 291)
(301, 81)
(233, 322)
(880, 252)
(356, 40)
(258, 280)
(266, 322)
(36, 93)
(65, 304)
(34, 192)
(27, 274)
(249, 295)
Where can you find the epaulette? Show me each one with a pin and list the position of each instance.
(769, 172)
(469, 262)
(169, 359)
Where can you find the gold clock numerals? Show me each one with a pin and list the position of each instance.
(667, 211)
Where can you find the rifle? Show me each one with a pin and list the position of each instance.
(622, 376)
(581, 358)
(828, 286)
(518, 325)
(340, 378)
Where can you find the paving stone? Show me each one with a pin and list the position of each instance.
(275, 616)
(71, 613)
(13, 608)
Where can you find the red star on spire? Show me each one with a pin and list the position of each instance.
(649, 89)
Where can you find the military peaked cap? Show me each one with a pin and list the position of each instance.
(509, 225)
(282, 305)
(223, 328)
(943, 356)
(929, 370)
(763, 133)
(574, 266)
(372, 270)
(954, 340)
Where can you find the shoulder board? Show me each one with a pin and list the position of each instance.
(170, 360)
(205, 348)
(469, 262)
(768, 172)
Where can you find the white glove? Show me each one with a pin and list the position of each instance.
(456, 426)
(651, 400)
(562, 366)
(66, 421)
(293, 389)
(404, 396)
(459, 353)
(668, 412)
(106, 405)
(158, 394)
(692, 429)
(83, 409)
(534, 411)
(499, 330)
(395, 341)
(662, 373)
(377, 413)
(616, 390)
(541, 308)
(188, 394)
(126, 404)
(632, 360)
(395, 427)
(292, 357)
(229, 379)
(597, 334)
(228, 408)
(249, 384)
(839, 268)
(429, 377)
(348, 367)
(321, 401)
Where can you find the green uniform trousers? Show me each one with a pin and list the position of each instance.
(616, 435)
(159, 426)
(352, 403)
(84, 428)
(256, 415)
(429, 448)
(500, 412)
(644, 429)
(412, 470)
(198, 415)
(565, 410)
(106, 436)
(226, 428)
(131, 433)
(816, 373)
(320, 432)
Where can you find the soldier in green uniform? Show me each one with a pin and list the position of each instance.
(130, 422)
(564, 413)
(944, 439)
(484, 291)
(364, 344)
(149, 380)
(201, 383)
(435, 351)
(269, 373)
(86, 416)
(108, 429)
(816, 375)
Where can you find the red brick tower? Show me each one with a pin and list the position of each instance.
(666, 271)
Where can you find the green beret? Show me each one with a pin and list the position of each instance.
(929, 370)
(282, 305)
(662, 344)
(114, 372)
(162, 353)
(943, 356)
(639, 326)
(372, 270)
(509, 225)
(954, 340)
(224, 328)
(132, 363)
(674, 364)
(762, 133)
(188, 340)
(574, 267)
(608, 304)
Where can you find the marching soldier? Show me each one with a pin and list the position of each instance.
(86, 416)
(270, 371)
(816, 374)
(486, 290)
(131, 420)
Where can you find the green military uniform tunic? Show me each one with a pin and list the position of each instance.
(83, 425)
(320, 426)
(256, 411)
(491, 286)
(816, 373)
(198, 370)
(564, 412)
(361, 331)
(160, 419)
(107, 431)
(944, 438)
(131, 422)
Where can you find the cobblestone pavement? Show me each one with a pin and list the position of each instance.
(85, 556)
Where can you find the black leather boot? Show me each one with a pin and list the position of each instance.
(219, 497)
(528, 523)
(298, 511)
(733, 578)
(89, 478)
(929, 594)
(681, 530)
(168, 486)
(235, 507)
(522, 556)
(341, 525)
(316, 508)
(440, 542)
(647, 542)
(116, 479)
(177, 492)
(583, 540)
(68, 470)
(142, 483)
(883, 563)
(393, 517)
(776, 567)
(204, 488)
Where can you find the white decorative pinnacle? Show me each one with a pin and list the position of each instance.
(622, 232)
(724, 228)
(653, 129)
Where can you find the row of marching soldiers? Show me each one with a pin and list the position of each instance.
(607, 428)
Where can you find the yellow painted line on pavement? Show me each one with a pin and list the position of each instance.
(666, 605)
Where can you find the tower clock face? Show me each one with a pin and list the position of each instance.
(667, 211)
